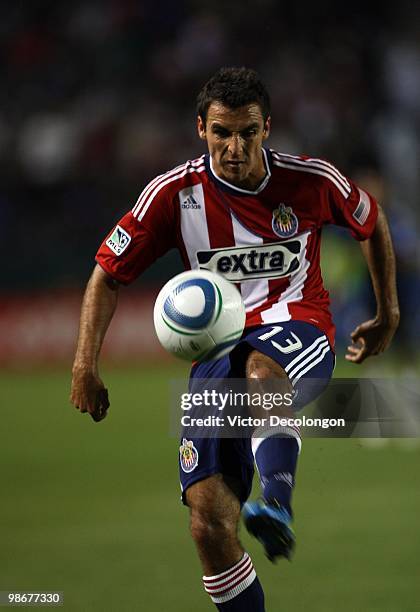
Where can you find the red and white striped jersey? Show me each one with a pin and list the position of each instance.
(267, 241)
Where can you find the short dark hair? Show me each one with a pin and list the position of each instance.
(234, 87)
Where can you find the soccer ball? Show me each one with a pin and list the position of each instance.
(199, 316)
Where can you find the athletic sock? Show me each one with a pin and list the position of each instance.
(276, 459)
(237, 589)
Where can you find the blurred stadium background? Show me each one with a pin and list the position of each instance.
(96, 99)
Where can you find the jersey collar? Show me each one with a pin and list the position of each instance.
(228, 187)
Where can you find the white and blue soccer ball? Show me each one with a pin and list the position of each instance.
(199, 316)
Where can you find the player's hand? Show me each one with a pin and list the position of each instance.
(371, 338)
(88, 393)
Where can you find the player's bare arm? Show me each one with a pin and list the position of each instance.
(374, 336)
(88, 393)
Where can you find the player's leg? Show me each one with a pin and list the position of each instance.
(291, 354)
(229, 576)
(276, 456)
(214, 515)
(215, 502)
(276, 459)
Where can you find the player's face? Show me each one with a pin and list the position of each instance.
(234, 138)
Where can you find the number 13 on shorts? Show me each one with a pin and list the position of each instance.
(290, 344)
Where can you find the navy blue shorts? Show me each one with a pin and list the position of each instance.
(306, 356)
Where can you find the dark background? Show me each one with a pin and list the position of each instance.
(96, 98)
(99, 97)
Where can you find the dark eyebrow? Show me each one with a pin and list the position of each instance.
(251, 126)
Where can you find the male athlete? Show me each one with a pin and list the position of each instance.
(255, 216)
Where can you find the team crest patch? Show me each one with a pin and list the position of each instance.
(285, 223)
(118, 240)
(188, 455)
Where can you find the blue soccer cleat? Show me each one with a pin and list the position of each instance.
(270, 524)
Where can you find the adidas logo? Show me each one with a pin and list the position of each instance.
(190, 202)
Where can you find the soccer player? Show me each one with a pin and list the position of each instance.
(255, 216)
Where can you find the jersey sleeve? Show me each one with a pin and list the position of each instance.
(351, 207)
(140, 237)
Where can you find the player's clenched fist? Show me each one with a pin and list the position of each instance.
(88, 393)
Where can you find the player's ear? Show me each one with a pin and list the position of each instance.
(267, 127)
(201, 128)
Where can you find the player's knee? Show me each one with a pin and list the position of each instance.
(262, 367)
(260, 372)
(208, 531)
